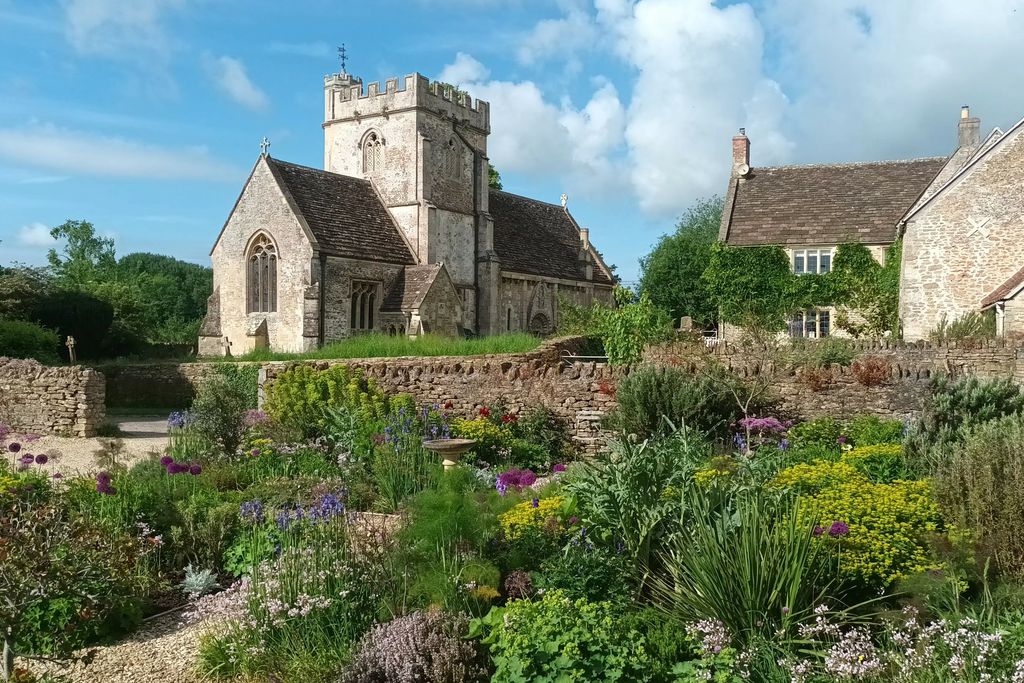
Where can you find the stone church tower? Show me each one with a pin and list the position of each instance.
(424, 146)
(399, 233)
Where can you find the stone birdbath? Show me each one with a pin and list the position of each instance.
(450, 450)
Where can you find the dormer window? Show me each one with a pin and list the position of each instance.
(815, 261)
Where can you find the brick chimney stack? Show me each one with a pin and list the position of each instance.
(741, 154)
(969, 130)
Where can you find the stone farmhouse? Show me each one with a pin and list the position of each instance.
(400, 233)
(961, 218)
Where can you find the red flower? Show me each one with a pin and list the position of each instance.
(485, 411)
(509, 418)
(448, 405)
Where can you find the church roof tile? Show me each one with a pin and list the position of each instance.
(345, 214)
(825, 203)
(538, 238)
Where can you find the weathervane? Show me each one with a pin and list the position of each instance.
(343, 58)
(264, 146)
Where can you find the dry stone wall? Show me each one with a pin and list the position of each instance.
(65, 401)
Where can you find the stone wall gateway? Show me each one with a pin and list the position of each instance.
(63, 401)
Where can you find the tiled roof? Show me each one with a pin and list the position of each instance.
(1003, 291)
(409, 288)
(538, 238)
(825, 204)
(344, 214)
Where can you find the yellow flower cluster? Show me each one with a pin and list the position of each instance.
(717, 471)
(889, 528)
(525, 515)
(815, 476)
(879, 462)
(888, 524)
(7, 483)
(481, 430)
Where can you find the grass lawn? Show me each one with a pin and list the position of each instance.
(383, 346)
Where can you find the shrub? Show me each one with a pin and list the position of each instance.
(817, 378)
(887, 529)
(493, 440)
(881, 463)
(823, 432)
(560, 639)
(245, 379)
(218, 411)
(538, 513)
(974, 325)
(630, 495)
(540, 426)
(19, 339)
(871, 371)
(980, 486)
(423, 646)
(953, 409)
(869, 430)
(588, 571)
(299, 397)
(825, 352)
(653, 400)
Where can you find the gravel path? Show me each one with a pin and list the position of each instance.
(142, 436)
(162, 651)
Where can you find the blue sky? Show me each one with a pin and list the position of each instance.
(144, 116)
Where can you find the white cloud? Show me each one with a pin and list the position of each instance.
(112, 27)
(62, 150)
(464, 69)
(318, 49)
(34, 235)
(575, 30)
(230, 76)
(530, 134)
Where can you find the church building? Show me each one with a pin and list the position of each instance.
(400, 233)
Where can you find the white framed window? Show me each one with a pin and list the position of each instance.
(814, 323)
(806, 261)
(373, 153)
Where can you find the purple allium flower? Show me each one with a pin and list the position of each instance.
(103, 477)
(176, 468)
(841, 440)
(786, 610)
(560, 467)
(166, 460)
(255, 452)
(535, 503)
(838, 529)
(517, 479)
(42, 459)
(195, 469)
(105, 488)
(14, 447)
(27, 459)
(818, 531)
(574, 520)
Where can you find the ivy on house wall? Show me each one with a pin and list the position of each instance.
(754, 286)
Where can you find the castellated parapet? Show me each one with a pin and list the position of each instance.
(346, 98)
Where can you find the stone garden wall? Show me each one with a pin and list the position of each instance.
(842, 391)
(165, 386)
(66, 401)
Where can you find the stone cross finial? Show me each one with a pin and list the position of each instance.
(264, 146)
(70, 343)
(565, 200)
(343, 58)
(226, 345)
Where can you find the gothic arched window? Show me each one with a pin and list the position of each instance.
(373, 153)
(452, 159)
(363, 306)
(261, 275)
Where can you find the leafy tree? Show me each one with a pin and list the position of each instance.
(493, 177)
(672, 273)
(86, 257)
(624, 330)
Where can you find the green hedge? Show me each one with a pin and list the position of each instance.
(19, 339)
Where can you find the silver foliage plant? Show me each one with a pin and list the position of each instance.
(198, 582)
(423, 647)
